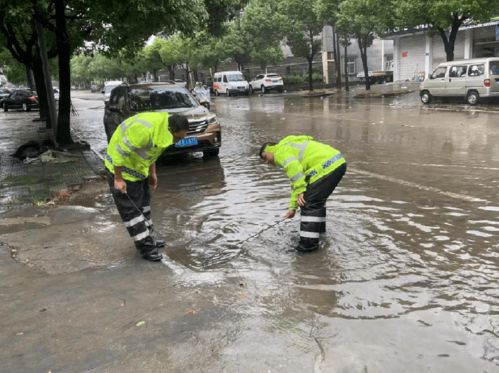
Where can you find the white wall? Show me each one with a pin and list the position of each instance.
(410, 57)
(412, 66)
(439, 55)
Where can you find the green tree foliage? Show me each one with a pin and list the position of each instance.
(265, 22)
(220, 11)
(362, 19)
(13, 69)
(152, 57)
(304, 28)
(170, 53)
(238, 45)
(444, 16)
(108, 25)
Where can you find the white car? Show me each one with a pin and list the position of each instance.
(108, 87)
(267, 82)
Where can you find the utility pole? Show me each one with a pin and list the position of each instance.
(42, 48)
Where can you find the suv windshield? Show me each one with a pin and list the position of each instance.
(142, 99)
(235, 78)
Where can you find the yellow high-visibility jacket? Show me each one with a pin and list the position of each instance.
(305, 161)
(137, 143)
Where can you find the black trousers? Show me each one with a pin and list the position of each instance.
(313, 214)
(137, 215)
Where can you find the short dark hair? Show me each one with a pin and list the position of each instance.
(178, 123)
(264, 146)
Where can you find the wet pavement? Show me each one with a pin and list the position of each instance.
(38, 182)
(406, 279)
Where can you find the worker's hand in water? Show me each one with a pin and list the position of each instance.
(153, 181)
(119, 184)
(290, 214)
(301, 200)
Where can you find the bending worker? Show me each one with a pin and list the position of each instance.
(130, 161)
(315, 169)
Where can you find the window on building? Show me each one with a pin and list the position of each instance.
(439, 72)
(476, 70)
(457, 72)
(351, 65)
(388, 62)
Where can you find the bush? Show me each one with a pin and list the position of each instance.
(302, 79)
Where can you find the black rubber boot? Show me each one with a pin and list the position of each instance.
(160, 244)
(152, 256)
(303, 248)
(148, 250)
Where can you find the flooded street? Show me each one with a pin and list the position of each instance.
(406, 280)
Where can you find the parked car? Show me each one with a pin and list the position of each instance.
(94, 88)
(180, 82)
(205, 133)
(230, 83)
(4, 92)
(20, 99)
(267, 82)
(470, 79)
(108, 87)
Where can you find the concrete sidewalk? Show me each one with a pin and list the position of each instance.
(38, 182)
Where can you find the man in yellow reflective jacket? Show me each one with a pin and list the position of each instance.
(315, 169)
(130, 162)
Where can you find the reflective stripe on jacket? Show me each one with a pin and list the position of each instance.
(137, 143)
(305, 161)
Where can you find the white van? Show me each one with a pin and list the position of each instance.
(230, 83)
(471, 79)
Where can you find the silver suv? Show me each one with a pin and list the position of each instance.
(205, 133)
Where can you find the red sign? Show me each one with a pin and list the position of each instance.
(404, 54)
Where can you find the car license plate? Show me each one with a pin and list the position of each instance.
(186, 142)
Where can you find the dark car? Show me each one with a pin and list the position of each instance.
(205, 133)
(20, 99)
(4, 92)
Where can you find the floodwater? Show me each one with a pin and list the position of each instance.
(407, 276)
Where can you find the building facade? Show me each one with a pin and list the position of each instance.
(417, 53)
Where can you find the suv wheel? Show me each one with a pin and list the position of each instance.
(425, 97)
(472, 97)
(211, 152)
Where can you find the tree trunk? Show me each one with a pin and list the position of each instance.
(337, 47)
(171, 71)
(188, 77)
(63, 133)
(155, 75)
(310, 83)
(310, 59)
(337, 57)
(30, 78)
(346, 68)
(363, 56)
(41, 91)
(450, 41)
